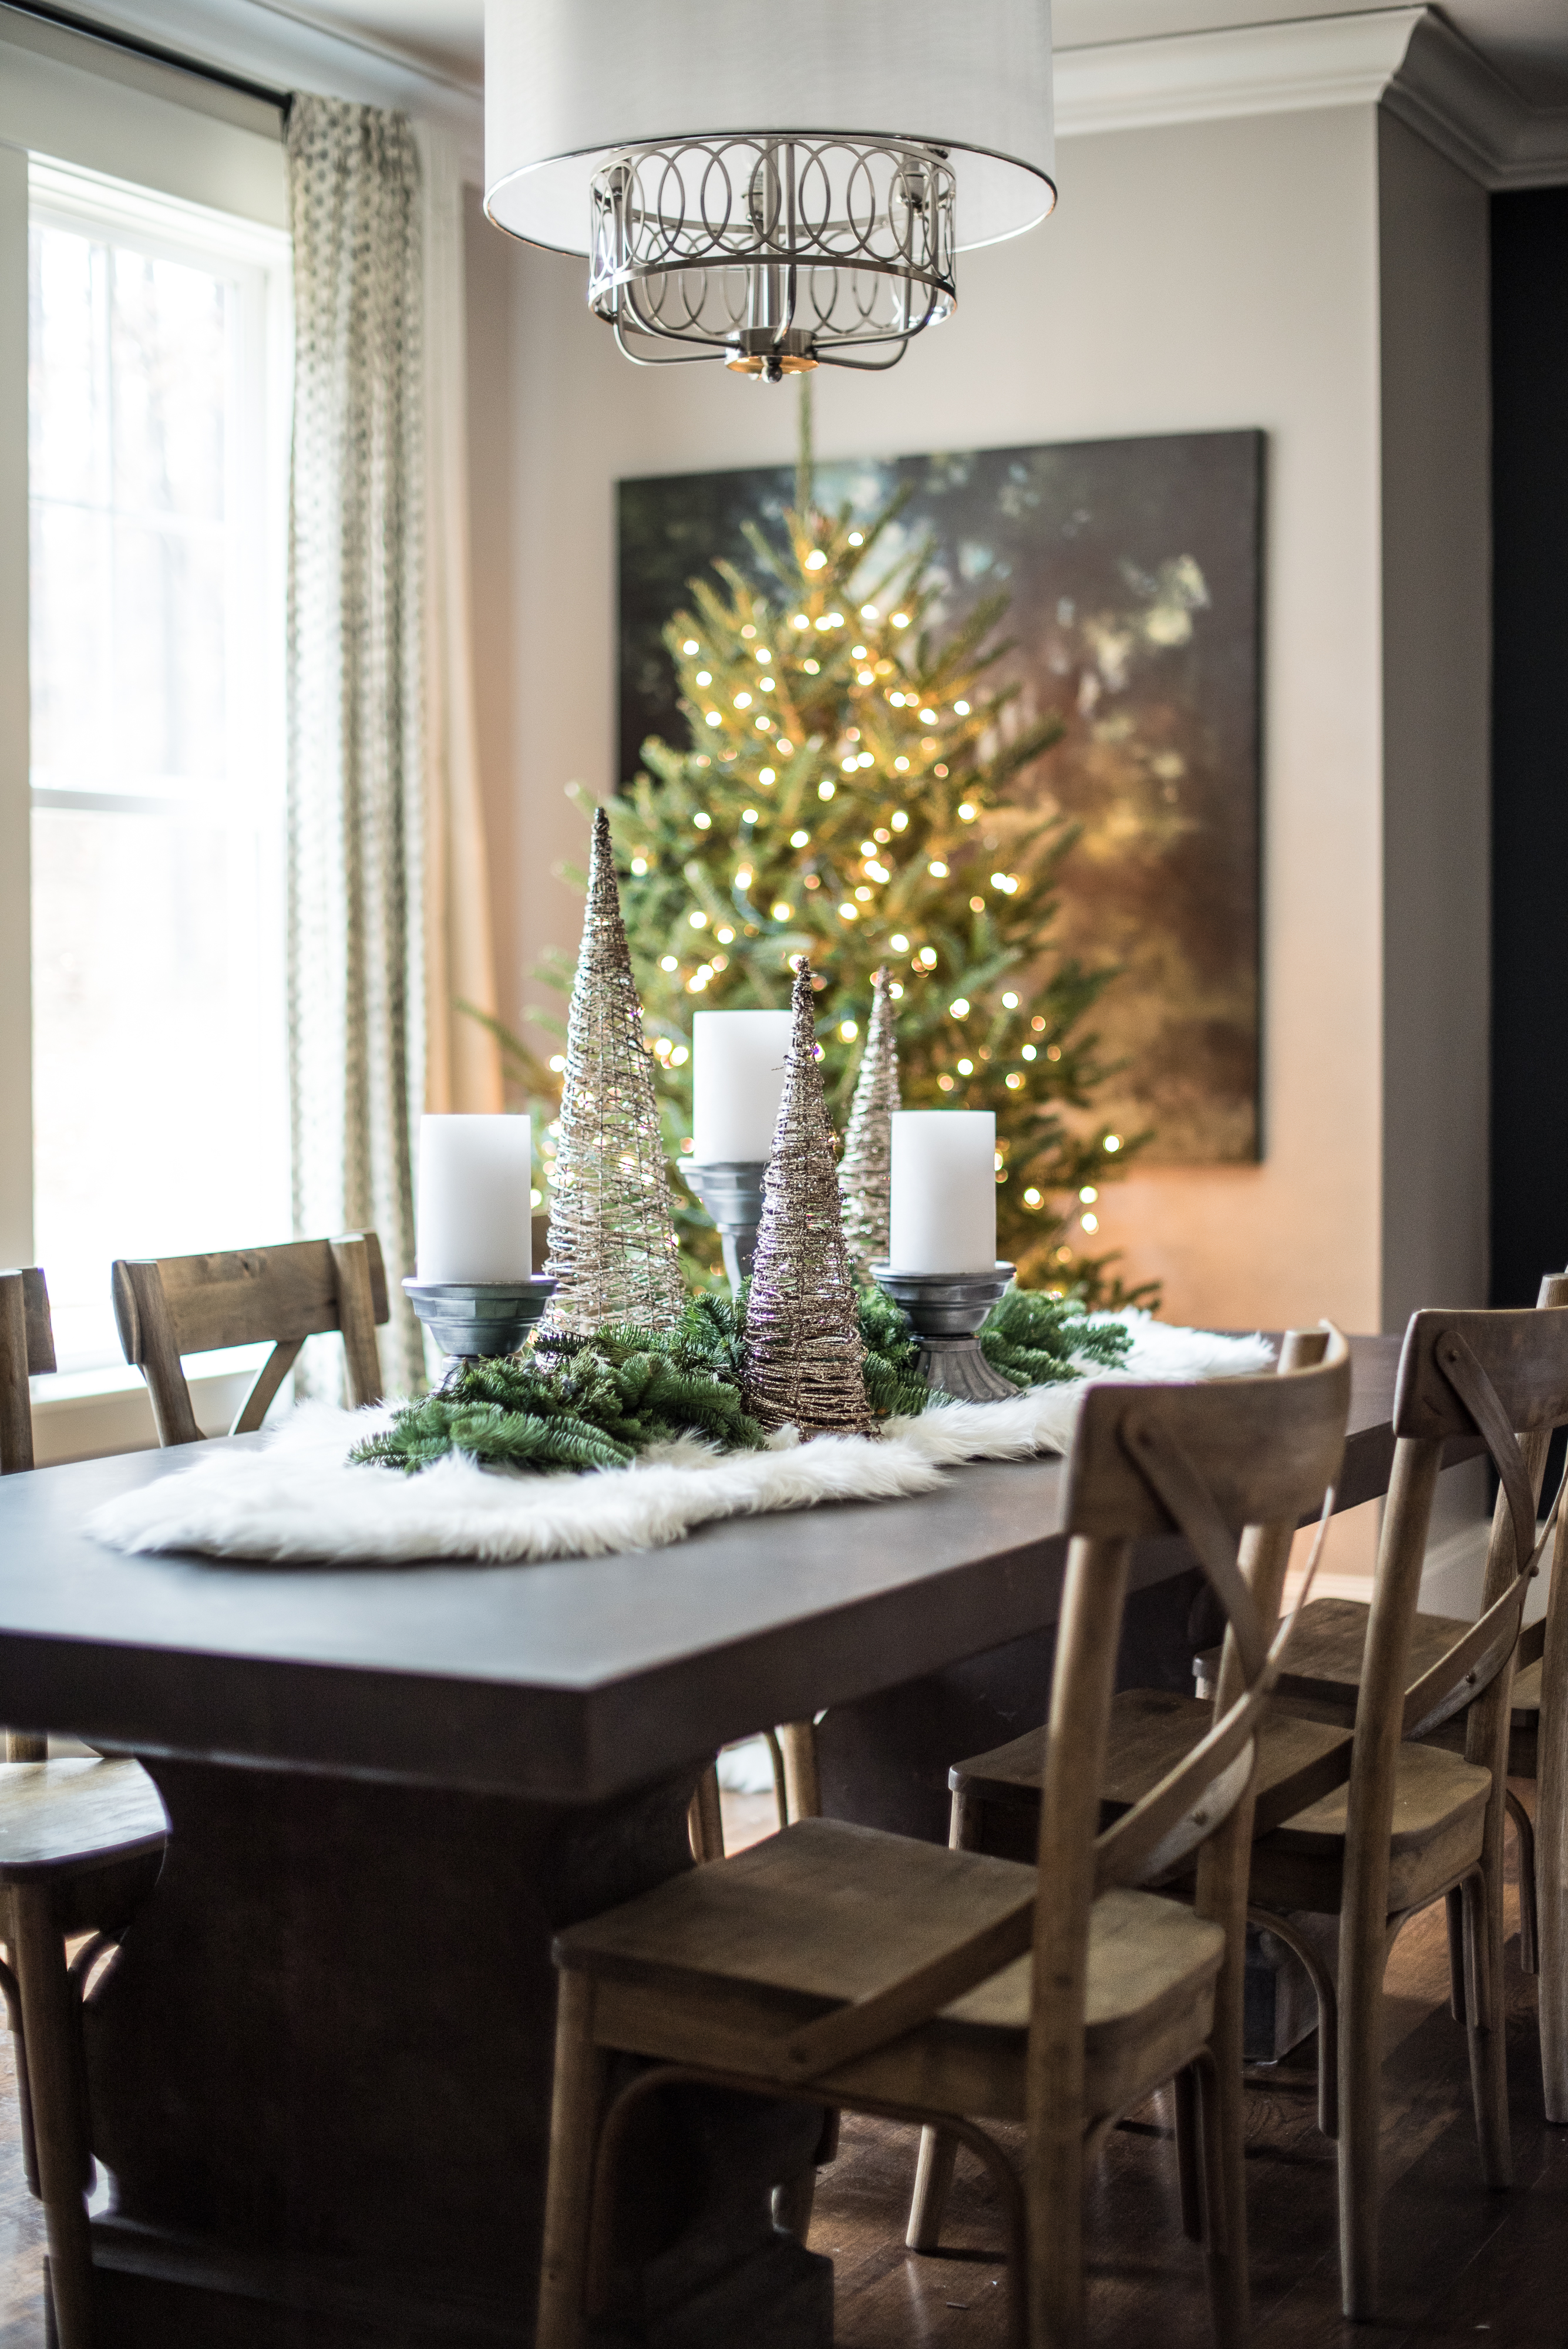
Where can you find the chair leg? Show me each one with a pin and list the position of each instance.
(576, 2105)
(1455, 1905)
(1529, 1935)
(933, 2176)
(13, 1998)
(1361, 1960)
(1188, 2153)
(1056, 2310)
(50, 2026)
(797, 1739)
(1327, 2014)
(793, 2204)
(705, 1819)
(1488, 2037)
(965, 1822)
(781, 1783)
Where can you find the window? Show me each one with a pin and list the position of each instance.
(156, 473)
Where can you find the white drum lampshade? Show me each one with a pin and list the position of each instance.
(777, 187)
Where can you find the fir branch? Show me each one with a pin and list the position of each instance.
(1037, 1339)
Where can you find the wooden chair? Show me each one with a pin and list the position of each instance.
(835, 1965)
(81, 1843)
(1330, 1651)
(996, 1805)
(1418, 1822)
(165, 1307)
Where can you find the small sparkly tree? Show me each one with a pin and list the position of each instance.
(866, 1169)
(612, 1246)
(803, 1350)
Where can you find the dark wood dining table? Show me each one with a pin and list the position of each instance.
(320, 2068)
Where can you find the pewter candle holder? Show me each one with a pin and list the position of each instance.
(475, 1320)
(946, 1311)
(731, 1191)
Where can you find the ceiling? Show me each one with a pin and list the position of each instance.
(1525, 40)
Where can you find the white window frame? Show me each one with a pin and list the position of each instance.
(144, 147)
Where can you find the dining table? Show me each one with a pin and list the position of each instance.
(319, 2066)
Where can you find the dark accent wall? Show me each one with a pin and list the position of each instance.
(1530, 741)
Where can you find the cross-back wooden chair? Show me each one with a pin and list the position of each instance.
(996, 1805)
(1417, 1822)
(166, 1306)
(836, 1965)
(81, 1842)
(1325, 1666)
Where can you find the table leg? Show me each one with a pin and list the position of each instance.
(319, 2071)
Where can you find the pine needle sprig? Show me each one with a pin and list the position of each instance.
(894, 1386)
(1037, 1339)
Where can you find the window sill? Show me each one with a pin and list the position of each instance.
(89, 1415)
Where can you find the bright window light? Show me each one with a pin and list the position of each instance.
(157, 477)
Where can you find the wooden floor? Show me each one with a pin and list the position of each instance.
(1457, 2263)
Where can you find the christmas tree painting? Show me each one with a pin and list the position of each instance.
(851, 792)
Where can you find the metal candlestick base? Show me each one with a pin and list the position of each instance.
(475, 1321)
(946, 1310)
(731, 1191)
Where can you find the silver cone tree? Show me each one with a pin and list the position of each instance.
(612, 1247)
(803, 1350)
(866, 1169)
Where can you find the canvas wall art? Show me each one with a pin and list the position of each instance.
(1133, 572)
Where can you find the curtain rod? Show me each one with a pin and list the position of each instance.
(115, 39)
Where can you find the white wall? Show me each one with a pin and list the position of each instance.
(1196, 277)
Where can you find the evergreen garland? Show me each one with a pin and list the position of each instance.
(1037, 1339)
(596, 1401)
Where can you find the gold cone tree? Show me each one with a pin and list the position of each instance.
(866, 1169)
(803, 1351)
(612, 1247)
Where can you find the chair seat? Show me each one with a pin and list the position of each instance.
(93, 1830)
(1327, 1645)
(1151, 1730)
(1439, 1811)
(716, 1967)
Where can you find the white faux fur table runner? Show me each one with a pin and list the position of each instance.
(297, 1498)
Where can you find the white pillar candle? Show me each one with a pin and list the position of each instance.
(943, 1216)
(737, 1082)
(475, 1198)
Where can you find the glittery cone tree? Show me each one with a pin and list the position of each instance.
(865, 1171)
(803, 1349)
(612, 1238)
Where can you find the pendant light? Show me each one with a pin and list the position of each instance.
(777, 187)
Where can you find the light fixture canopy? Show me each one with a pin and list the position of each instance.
(776, 190)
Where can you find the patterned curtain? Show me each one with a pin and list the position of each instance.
(357, 624)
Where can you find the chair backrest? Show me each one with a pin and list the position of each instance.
(1502, 1376)
(1499, 1562)
(169, 1306)
(26, 1350)
(1205, 1460)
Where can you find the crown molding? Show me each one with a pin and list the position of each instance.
(1452, 97)
(1288, 68)
(1406, 59)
